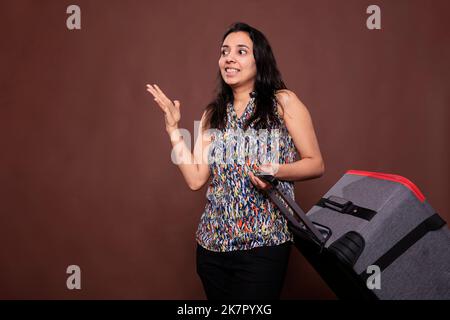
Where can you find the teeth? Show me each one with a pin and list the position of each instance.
(231, 70)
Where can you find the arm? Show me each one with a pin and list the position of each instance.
(299, 124)
(194, 167)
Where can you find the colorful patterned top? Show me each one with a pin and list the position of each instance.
(238, 216)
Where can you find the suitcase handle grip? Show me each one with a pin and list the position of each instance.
(346, 207)
(336, 203)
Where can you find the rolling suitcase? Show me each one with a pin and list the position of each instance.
(372, 236)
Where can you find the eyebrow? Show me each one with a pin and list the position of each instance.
(239, 45)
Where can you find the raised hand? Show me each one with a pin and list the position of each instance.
(170, 108)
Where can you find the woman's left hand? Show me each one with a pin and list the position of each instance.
(270, 168)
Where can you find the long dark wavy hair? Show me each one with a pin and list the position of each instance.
(268, 81)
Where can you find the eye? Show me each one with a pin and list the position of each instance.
(242, 50)
(224, 52)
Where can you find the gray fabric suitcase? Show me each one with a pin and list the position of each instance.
(372, 236)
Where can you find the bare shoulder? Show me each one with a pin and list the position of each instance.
(289, 103)
(284, 95)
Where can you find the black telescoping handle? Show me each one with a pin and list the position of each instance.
(273, 191)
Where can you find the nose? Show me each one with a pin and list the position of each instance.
(230, 58)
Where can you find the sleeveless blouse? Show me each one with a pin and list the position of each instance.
(237, 215)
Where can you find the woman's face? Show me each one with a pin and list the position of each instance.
(237, 63)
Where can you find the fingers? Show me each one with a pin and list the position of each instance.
(251, 176)
(261, 184)
(152, 91)
(258, 182)
(162, 101)
(162, 96)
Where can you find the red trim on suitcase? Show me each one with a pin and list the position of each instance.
(391, 177)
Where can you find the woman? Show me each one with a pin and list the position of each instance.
(243, 240)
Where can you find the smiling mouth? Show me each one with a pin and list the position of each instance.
(231, 71)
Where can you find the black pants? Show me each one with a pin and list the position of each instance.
(248, 274)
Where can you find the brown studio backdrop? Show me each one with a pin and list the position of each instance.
(85, 164)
